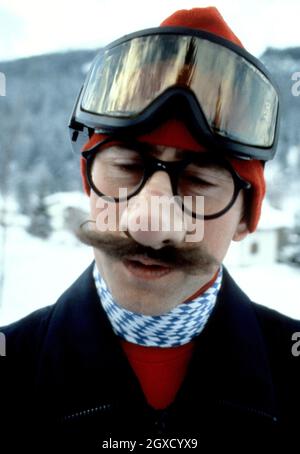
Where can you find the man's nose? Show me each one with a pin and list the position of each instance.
(153, 217)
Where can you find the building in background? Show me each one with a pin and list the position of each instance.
(264, 245)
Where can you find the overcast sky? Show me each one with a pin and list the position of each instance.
(32, 27)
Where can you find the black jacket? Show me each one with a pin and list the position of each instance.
(66, 381)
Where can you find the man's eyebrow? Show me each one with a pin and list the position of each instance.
(180, 153)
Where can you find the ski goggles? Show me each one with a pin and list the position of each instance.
(224, 95)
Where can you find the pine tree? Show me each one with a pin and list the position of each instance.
(40, 220)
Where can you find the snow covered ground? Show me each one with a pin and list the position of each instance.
(276, 286)
(37, 272)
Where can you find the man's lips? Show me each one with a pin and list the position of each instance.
(147, 261)
(146, 268)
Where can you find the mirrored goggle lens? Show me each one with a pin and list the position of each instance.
(238, 101)
(116, 168)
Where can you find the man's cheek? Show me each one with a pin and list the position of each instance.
(106, 213)
(93, 204)
(217, 238)
(195, 233)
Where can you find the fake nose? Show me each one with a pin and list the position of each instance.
(153, 217)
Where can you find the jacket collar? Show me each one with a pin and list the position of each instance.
(81, 351)
(230, 359)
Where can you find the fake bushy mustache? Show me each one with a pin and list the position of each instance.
(191, 260)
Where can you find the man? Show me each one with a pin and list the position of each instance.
(155, 345)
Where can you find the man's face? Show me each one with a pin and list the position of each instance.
(130, 261)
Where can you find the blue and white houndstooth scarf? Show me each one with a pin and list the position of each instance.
(177, 327)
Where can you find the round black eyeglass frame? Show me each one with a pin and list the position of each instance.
(173, 169)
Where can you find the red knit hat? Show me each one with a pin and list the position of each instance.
(174, 133)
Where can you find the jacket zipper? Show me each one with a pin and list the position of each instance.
(160, 422)
(251, 410)
(85, 413)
